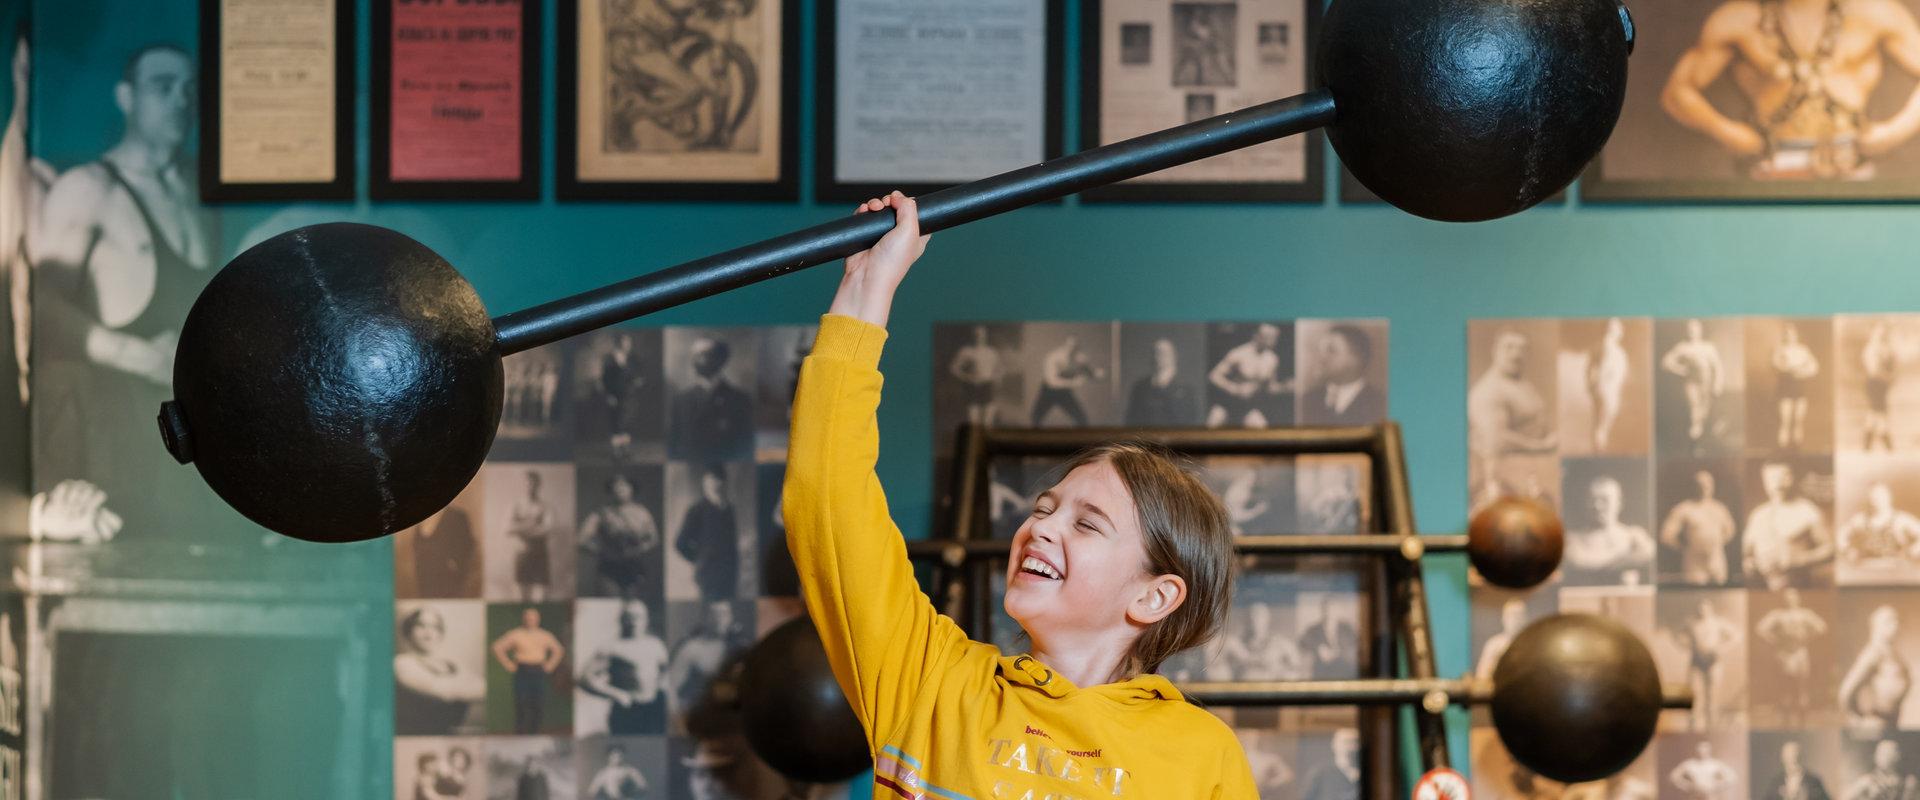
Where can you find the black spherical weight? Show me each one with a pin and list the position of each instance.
(1576, 697)
(793, 712)
(1515, 543)
(1466, 110)
(335, 383)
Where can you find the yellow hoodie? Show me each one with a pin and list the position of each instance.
(949, 718)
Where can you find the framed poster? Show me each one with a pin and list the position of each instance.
(693, 106)
(455, 100)
(276, 121)
(1151, 64)
(922, 95)
(1767, 100)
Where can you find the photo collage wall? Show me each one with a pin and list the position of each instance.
(571, 625)
(1297, 618)
(1741, 493)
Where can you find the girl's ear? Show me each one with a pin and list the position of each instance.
(1158, 598)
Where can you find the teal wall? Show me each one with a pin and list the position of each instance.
(1133, 262)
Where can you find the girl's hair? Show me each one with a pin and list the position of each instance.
(1186, 533)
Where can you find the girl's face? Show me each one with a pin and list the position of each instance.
(1079, 561)
(427, 633)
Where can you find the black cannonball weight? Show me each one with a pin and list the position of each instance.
(1515, 543)
(336, 382)
(1465, 110)
(793, 712)
(1576, 697)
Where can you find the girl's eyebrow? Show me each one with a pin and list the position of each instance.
(1093, 509)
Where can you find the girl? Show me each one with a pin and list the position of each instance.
(1124, 562)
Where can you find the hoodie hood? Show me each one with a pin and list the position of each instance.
(1025, 670)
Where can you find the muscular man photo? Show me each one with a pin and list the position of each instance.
(629, 673)
(119, 254)
(529, 653)
(1786, 537)
(1699, 529)
(1791, 632)
(1807, 69)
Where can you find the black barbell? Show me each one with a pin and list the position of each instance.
(341, 382)
(1575, 697)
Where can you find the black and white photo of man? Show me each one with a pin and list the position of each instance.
(1069, 370)
(440, 557)
(119, 253)
(1699, 539)
(616, 779)
(1344, 378)
(1789, 384)
(1337, 778)
(1875, 401)
(1786, 540)
(707, 638)
(1204, 38)
(526, 537)
(1699, 387)
(1510, 408)
(1331, 493)
(1511, 411)
(1793, 765)
(1161, 365)
(977, 367)
(1877, 540)
(1702, 639)
(530, 768)
(1704, 774)
(1605, 370)
(623, 768)
(1513, 618)
(1257, 492)
(625, 673)
(620, 392)
(1606, 515)
(1881, 769)
(1328, 639)
(1787, 677)
(711, 416)
(1250, 384)
(713, 542)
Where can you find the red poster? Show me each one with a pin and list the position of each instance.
(456, 90)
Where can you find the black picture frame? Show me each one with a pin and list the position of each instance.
(827, 189)
(380, 183)
(212, 189)
(1310, 189)
(567, 186)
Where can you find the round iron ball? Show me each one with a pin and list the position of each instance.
(1464, 110)
(335, 383)
(1515, 543)
(792, 710)
(1576, 697)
